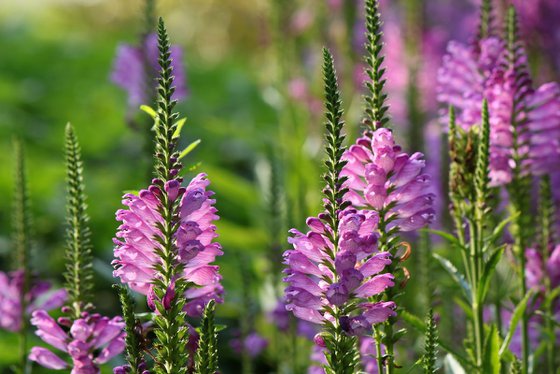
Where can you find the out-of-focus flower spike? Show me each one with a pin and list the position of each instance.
(486, 26)
(546, 215)
(206, 361)
(79, 272)
(430, 345)
(376, 107)
(482, 164)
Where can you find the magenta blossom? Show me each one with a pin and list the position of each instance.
(320, 280)
(135, 67)
(137, 240)
(384, 178)
(89, 341)
(40, 296)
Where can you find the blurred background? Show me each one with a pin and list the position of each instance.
(253, 78)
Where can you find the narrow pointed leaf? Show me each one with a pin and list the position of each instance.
(457, 276)
(189, 148)
(487, 274)
(515, 317)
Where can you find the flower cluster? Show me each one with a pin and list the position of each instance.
(518, 113)
(386, 179)
(89, 341)
(320, 280)
(40, 296)
(135, 67)
(138, 235)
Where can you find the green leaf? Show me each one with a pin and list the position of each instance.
(515, 317)
(447, 236)
(189, 148)
(457, 276)
(487, 274)
(148, 109)
(491, 363)
(180, 123)
(497, 233)
(453, 366)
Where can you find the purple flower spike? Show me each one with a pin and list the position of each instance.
(381, 176)
(91, 341)
(136, 66)
(40, 296)
(471, 73)
(135, 243)
(313, 286)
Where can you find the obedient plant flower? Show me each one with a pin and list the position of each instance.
(384, 178)
(333, 269)
(40, 296)
(317, 282)
(164, 246)
(137, 238)
(89, 341)
(525, 122)
(136, 68)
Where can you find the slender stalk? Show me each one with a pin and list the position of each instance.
(546, 218)
(79, 271)
(22, 240)
(520, 185)
(477, 231)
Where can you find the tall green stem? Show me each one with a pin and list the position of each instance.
(22, 240)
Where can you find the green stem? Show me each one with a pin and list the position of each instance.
(378, 353)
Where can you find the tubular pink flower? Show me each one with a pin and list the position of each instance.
(90, 341)
(40, 296)
(137, 242)
(320, 280)
(384, 178)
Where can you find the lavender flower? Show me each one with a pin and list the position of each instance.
(253, 344)
(383, 177)
(537, 271)
(136, 67)
(89, 341)
(40, 296)
(280, 316)
(473, 72)
(137, 239)
(319, 281)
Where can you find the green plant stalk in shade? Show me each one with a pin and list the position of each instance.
(133, 339)
(206, 361)
(546, 214)
(476, 234)
(22, 241)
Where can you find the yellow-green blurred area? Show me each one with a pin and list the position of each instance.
(55, 63)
